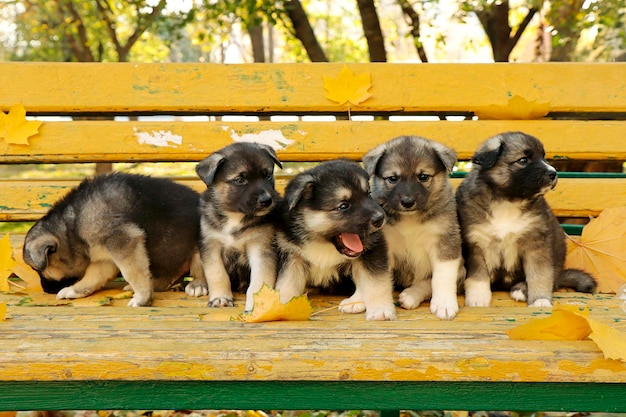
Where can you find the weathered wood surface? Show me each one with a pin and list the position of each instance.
(253, 88)
(179, 338)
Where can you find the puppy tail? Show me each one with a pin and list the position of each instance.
(578, 280)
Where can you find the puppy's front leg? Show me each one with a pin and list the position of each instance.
(539, 279)
(292, 278)
(478, 281)
(444, 303)
(220, 292)
(262, 269)
(96, 276)
(376, 291)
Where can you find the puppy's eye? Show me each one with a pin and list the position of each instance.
(423, 177)
(522, 161)
(239, 180)
(269, 176)
(392, 179)
(343, 206)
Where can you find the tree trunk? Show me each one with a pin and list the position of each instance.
(258, 43)
(304, 31)
(372, 31)
(414, 17)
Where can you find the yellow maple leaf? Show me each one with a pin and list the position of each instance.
(14, 127)
(6, 262)
(348, 87)
(517, 108)
(568, 322)
(267, 307)
(26, 273)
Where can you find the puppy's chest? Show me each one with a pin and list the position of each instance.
(508, 221)
(232, 236)
(412, 238)
(324, 262)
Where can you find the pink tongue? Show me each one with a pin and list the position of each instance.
(352, 242)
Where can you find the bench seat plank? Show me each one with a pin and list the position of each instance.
(257, 88)
(86, 141)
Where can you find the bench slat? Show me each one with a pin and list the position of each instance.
(258, 88)
(99, 141)
(573, 197)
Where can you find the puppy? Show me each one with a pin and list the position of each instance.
(409, 177)
(235, 227)
(331, 228)
(511, 237)
(146, 228)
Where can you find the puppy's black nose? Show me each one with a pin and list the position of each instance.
(552, 175)
(377, 219)
(407, 202)
(264, 200)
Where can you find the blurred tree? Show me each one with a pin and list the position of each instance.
(372, 31)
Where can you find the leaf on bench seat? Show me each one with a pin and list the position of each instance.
(601, 249)
(348, 87)
(14, 127)
(517, 108)
(268, 307)
(569, 322)
(6, 263)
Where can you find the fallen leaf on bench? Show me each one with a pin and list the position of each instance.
(569, 322)
(348, 87)
(6, 262)
(517, 108)
(267, 307)
(14, 127)
(601, 249)
(3, 311)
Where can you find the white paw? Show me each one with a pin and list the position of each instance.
(477, 293)
(197, 289)
(410, 299)
(140, 301)
(444, 308)
(221, 302)
(350, 305)
(69, 293)
(518, 295)
(541, 302)
(381, 314)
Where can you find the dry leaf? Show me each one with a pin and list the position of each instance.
(14, 127)
(348, 87)
(6, 262)
(568, 322)
(601, 249)
(26, 273)
(517, 108)
(267, 307)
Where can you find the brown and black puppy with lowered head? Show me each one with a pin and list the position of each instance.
(236, 230)
(146, 228)
(511, 237)
(409, 177)
(330, 229)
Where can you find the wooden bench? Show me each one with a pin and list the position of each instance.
(179, 354)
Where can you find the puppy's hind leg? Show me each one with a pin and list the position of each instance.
(96, 276)
(411, 297)
(539, 279)
(478, 281)
(198, 287)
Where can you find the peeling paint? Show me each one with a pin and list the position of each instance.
(272, 137)
(160, 138)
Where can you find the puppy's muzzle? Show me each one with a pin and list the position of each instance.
(377, 220)
(264, 201)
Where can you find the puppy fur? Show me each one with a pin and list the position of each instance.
(236, 230)
(511, 237)
(331, 228)
(409, 177)
(146, 228)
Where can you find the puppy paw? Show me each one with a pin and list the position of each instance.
(477, 293)
(445, 309)
(541, 302)
(71, 293)
(517, 294)
(139, 301)
(381, 314)
(221, 302)
(350, 305)
(197, 289)
(410, 300)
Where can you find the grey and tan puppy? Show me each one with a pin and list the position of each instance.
(146, 228)
(330, 229)
(511, 237)
(236, 230)
(409, 176)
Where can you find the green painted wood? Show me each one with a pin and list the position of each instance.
(304, 395)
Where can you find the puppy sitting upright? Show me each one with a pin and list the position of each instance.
(409, 177)
(330, 229)
(236, 234)
(511, 237)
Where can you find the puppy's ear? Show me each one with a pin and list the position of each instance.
(297, 188)
(446, 155)
(372, 158)
(207, 168)
(36, 252)
(488, 154)
(272, 154)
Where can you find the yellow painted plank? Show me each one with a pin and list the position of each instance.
(573, 197)
(169, 342)
(92, 141)
(251, 88)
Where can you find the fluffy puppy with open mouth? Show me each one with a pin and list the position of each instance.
(236, 226)
(331, 228)
(409, 176)
(511, 238)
